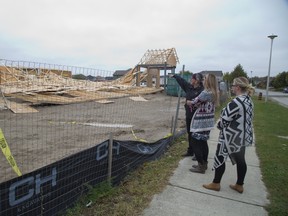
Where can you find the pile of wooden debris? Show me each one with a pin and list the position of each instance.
(21, 88)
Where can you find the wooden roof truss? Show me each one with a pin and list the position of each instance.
(159, 57)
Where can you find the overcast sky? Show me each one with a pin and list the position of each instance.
(114, 35)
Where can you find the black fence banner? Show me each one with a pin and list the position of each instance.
(52, 189)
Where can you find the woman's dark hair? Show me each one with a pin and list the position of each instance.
(198, 77)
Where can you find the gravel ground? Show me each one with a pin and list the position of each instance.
(57, 131)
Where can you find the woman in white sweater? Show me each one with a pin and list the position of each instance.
(236, 132)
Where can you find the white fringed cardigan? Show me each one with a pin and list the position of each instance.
(236, 128)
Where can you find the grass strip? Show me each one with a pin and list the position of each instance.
(271, 131)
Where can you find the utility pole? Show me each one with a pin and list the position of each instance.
(268, 77)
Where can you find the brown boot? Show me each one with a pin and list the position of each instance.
(199, 169)
(205, 165)
(238, 188)
(212, 186)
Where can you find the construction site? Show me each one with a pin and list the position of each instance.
(47, 115)
(52, 85)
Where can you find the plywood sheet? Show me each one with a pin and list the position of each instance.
(138, 98)
(20, 107)
(2, 103)
(105, 101)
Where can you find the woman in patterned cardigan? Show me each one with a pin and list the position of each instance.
(203, 121)
(236, 132)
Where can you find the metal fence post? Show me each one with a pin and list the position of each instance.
(178, 104)
(110, 146)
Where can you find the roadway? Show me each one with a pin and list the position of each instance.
(279, 97)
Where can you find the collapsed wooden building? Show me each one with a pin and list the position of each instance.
(24, 87)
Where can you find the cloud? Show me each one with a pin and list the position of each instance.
(216, 34)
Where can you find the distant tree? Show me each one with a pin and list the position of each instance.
(226, 77)
(79, 76)
(238, 72)
(187, 72)
(280, 80)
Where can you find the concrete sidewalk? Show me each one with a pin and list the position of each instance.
(185, 195)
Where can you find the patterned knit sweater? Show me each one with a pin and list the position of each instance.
(203, 118)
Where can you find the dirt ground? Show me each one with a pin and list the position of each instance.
(57, 131)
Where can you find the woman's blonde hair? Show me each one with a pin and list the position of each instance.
(243, 83)
(211, 84)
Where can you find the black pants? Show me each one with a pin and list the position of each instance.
(201, 150)
(190, 150)
(239, 158)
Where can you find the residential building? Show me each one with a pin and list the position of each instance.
(119, 73)
(218, 74)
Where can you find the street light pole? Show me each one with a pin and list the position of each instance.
(268, 77)
(251, 79)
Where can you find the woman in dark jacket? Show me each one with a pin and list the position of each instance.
(192, 90)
